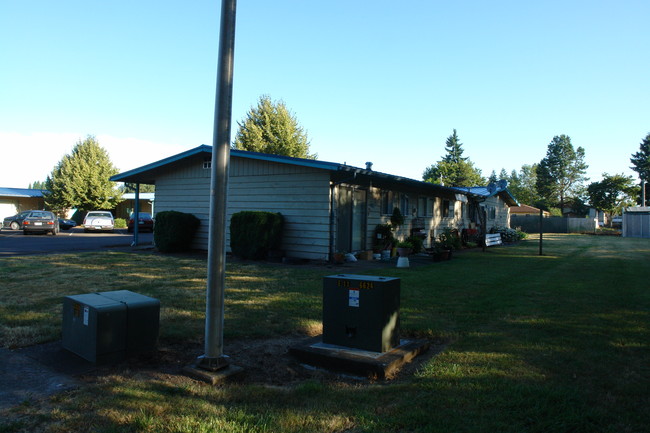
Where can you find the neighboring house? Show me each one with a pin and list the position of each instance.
(525, 210)
(327, 206)
(15, 200)
(127, 206)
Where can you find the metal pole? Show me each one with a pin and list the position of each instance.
(136, 214)
(541, 229)
(214, 359)
(643, 193)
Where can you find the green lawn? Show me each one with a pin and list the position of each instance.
(552, 343)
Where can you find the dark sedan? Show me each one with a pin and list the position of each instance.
(145, 222)
(15, 222)
(41, 221)
(65, 224)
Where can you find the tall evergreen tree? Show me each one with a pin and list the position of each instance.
(81, 180)
(453, 169)
(271, 128)
(641, 163)
(560, 174)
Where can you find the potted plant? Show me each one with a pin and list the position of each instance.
(440, 252)
(404, 248)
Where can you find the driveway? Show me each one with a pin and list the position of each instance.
(13, 242)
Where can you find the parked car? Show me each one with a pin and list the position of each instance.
(66, 224)
(145, 222)
(98, 220)
(16, 221)
(40, 221)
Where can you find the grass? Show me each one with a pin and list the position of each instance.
(552, 343)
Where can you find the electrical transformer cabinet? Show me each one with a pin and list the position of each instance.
(361, 312)
(109, 326)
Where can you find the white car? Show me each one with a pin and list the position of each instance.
(97, 220)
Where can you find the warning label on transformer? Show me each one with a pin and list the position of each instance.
(353, 298)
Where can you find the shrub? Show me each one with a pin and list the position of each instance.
(174, 231)
(254, 233)
(508, 234)
(120, 223)
(383, 237)
(416, 242)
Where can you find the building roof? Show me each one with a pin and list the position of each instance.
(341, 172)
(499, 188)
(524, 208)
(21, 192)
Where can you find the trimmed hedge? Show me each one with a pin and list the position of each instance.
(174, 231)
(254, 233)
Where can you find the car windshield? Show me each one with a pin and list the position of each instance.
(45, 215)
(99, 214)
(144, 215)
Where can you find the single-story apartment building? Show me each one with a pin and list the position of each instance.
(16, 200)
(328, 207)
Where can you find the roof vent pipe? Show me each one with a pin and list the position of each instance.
(368, 165)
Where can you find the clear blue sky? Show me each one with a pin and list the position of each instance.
(379, 81)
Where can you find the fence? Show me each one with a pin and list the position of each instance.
(530, 224)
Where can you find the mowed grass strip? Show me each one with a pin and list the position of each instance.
(551, 343)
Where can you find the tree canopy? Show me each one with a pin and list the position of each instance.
(641, 159)
(613, 193)
(81, 179)
(560, 174)
(271, 128)
(453, 169)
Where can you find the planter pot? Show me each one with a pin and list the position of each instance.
(338, 258)
(403, 252)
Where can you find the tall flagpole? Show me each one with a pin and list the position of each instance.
(214, 358)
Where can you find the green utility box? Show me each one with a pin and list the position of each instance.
(361, 312)
(109, 326)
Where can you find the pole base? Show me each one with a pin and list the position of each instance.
(212, 364)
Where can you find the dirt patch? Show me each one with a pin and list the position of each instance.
(265, 362)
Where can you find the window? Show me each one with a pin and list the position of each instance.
(404, 204)
(387, 202)
(425, 206)
(207, 164)
(448, 208)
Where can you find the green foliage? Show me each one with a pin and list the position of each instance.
(416, 244)
(37, 185)
(613, 193)
(271, 128)
(384, 238)
(120, 223)
(450, 239)
(641, 159)
(254, 233)
(560, 174)
(81, 180)
(130, 187)
(396, 218)
(174, 231)
(509, 235)
(453, 169)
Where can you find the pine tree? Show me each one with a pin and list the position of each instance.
(453, 169)
(81, 180)
(271, 128)
(560, 174)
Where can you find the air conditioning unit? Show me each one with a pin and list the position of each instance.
(108, 327)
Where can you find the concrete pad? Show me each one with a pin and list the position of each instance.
(228, 373)
(355, 361)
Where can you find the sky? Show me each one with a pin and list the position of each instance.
(378, 81)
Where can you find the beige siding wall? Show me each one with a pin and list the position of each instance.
(500, 216)
(301, 194)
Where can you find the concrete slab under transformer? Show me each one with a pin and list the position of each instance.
(356, 361)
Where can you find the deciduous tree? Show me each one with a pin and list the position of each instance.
(271, 128)
(613, 193)
(81, 179)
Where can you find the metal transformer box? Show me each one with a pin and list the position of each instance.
(361, 312)
(109, 326)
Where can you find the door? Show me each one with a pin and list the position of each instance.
(351, 219)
